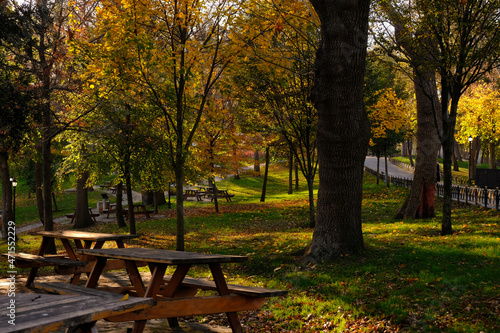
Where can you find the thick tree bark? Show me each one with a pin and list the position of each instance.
(82, 215)
(7, 213)
(343, 129)
(420, 201)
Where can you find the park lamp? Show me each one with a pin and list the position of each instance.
(470, 138)
(14, 182)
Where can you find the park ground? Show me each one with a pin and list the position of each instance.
(408, 279)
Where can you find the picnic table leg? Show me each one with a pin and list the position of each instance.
(173, 286)
(157, 273)
(222, 288)
(34, 270)
(96, 272)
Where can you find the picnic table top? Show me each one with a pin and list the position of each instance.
(163, 256)
(48, 313)
(83, 235)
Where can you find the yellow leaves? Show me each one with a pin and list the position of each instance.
(479, 114)
(387, 114)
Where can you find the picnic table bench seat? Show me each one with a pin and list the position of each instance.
(205, 284)
(27, 260)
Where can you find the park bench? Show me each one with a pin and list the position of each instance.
(26, 260)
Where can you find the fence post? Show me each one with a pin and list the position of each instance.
(485, 197)
(497, 198)
(466, 194)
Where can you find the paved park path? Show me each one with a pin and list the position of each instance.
(393, 170)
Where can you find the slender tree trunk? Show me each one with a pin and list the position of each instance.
(296, 176)
(456, 155)
(179, 185)
(493, 162)
(264, 185)
(410, 150)
(39, 190)
(387, 182)
(7, 213)
(290, 173)
(343, 128)
(378, 168)
(474, 156)
(47, 176)
(119, 206)
(256, 162)
(82, 215)
(312, 210)
(130, 201)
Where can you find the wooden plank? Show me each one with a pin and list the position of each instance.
(25, 258)
(180, 307)
(48, 313)
(205, 284)
(164, 256)
(83, 235)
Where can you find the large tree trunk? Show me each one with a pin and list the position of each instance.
(420, 201)
(82, 215)
(7, 213)
(343, 128)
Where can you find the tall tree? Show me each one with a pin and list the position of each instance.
(398, 41)
(343, 128)
(14, 110)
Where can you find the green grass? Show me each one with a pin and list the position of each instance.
(409, 278)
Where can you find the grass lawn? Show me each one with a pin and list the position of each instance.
(409, 278)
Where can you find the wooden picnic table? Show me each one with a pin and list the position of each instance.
(81, 240)
(92, 215)
(172, 301)
(139, 209)
(47, 313)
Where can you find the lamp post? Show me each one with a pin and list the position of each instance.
(470, 159)
(14, 185)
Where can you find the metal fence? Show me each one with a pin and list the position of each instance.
(485, 197)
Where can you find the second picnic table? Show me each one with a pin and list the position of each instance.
(75, 264)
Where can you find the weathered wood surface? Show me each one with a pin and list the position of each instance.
(162, 256)
(205, 284)
(48, 313)
(27, 260)
(84, 236)
(180, 307)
